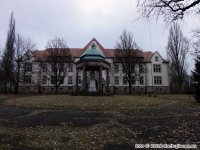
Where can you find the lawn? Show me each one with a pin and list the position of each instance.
(99, 122)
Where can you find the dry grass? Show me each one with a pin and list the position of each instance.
(99, 122)
(101, 102)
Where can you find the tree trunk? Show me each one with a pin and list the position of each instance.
(17, 87)
(56, 89)
(11, 87)
(17, 83)
(5, 83)
(39, 90)
(130, 88)
(180, 88)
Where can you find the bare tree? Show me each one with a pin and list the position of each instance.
(196, 42)
(1, 69)
(59, 57)
(177, 50)
(1, 76)
(128, 55)
(169, 9)
(8, 56)
(23, 48)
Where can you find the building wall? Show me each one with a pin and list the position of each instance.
(150, 74)
(147, 86)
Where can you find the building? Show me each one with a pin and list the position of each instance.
(94, 70)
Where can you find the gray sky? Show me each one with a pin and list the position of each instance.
(78, 21)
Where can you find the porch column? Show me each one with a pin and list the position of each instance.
(77, 79)
(84, 79)
(100, 79)
(107, 81)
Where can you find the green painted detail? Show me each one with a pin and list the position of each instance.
(92, 54)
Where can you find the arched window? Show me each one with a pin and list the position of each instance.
(93, 46)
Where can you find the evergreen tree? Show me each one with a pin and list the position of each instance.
(8, 56)
(196, 76)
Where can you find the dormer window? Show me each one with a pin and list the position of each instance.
(156, 58)
(93, 46)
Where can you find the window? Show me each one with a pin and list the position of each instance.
(124, 69)
(132, 68)
(44, 79)
(69, 79)
(124, 80)
(70, 68)
(53, 68)
(157, 80)
(28, 67)
(158, 90)
(27, 79)
(93, 46)
(44, 67)
(156, 58)
(27, 88)
(61, 67)
(52, 90)
(141, 69)
(60, 89)
(116, 80)
(53, 79)
(79, 79)
(58, 79)
(61, 80)
(141, 80)
(156, 68)
(116, 68)
(125, 90)
(133, 80)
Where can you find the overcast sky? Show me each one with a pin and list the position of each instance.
(78, 21)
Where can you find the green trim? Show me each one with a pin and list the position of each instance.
(92, 54)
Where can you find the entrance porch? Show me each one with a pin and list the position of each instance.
(92, 63)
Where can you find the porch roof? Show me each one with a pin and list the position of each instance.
(91, 54)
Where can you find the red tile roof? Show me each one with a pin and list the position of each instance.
(76, 52)
(147, 56)
(40, 55)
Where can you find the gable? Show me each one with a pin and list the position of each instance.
(93, 52)
(157, 58)
(97, 45)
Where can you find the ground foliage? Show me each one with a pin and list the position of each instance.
(112, 122)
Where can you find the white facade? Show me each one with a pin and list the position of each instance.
(154, 77)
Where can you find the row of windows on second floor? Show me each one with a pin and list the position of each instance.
(28, 67)
(133, 68)
(157, 80)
